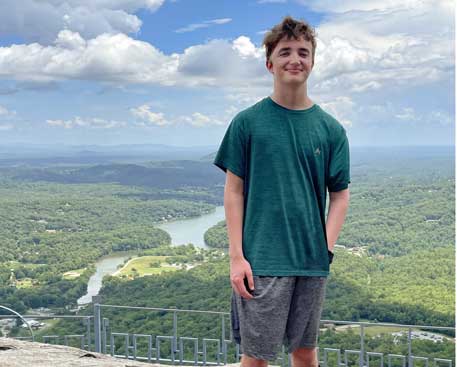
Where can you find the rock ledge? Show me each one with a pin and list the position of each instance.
(17, 353)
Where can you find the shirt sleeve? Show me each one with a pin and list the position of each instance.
(339, 167)
(232, 151)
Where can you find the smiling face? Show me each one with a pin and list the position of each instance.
(291, 61)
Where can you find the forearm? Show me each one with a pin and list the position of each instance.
(336, 215)
(234, 211)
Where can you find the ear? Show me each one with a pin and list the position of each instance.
(269, 66)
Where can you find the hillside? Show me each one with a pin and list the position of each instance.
(394, 261)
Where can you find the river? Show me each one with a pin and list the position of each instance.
(182, 232)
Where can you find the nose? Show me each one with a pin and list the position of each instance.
(294, 59)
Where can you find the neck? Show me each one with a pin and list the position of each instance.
(292, 98)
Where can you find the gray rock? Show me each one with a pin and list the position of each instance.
(18, 353)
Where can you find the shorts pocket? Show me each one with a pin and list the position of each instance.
(235, 320)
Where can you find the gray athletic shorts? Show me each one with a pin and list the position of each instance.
(285, 310)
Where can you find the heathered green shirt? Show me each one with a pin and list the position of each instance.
(288, 159)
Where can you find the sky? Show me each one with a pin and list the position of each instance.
(175, 72)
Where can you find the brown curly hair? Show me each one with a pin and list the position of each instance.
(289, 28)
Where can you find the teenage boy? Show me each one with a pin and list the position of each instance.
(281, 155)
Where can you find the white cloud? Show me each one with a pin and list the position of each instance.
(342, 108)
(146, 117)
(42, 20)
(93, 122)
(220, 21)
(144, 113)
(246, 97)
(439, 117)
(246, 48)
(113, 58)
(368, 45)
(119, 59)
(350, 114)
(221, 63)
(207, 23)
(4, 112)
(370, 5)
(339, 56)
(231, 111)
(6, 117)
(360, 51)
(408, 114)
(367, 49)
(198, 119)
(70, 41)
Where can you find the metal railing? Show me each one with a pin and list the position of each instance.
(85, 339)
(17, 314)
(176, 344)
(106, 340)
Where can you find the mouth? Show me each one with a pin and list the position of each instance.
(294, 71)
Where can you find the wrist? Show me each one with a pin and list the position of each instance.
(236, 256)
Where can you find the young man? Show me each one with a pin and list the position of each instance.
(281, 155)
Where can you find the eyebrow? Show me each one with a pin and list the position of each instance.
(288, 49)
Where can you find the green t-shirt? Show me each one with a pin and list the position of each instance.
(288, 159)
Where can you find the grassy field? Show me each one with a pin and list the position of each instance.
(17, 264)
(145, 265)
(24, 283)
(72, 274)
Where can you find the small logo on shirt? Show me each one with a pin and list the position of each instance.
(317, 151)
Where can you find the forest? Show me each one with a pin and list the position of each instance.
(350, 297)
(394, 259)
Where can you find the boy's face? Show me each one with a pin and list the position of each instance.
(291, 61)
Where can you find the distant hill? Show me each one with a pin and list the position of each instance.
(45, 155)
(169, 174)
(139, 166)
(209, 157)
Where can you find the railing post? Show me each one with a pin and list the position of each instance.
(224, 345)
(89, 339)
(105, 324)
(174, 344)
(409, 347)
(97, 324)
(362, 345)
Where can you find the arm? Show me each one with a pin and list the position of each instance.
(339, 202)
(234, 207)
(234, 212)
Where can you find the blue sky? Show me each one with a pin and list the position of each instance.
(176, 72)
